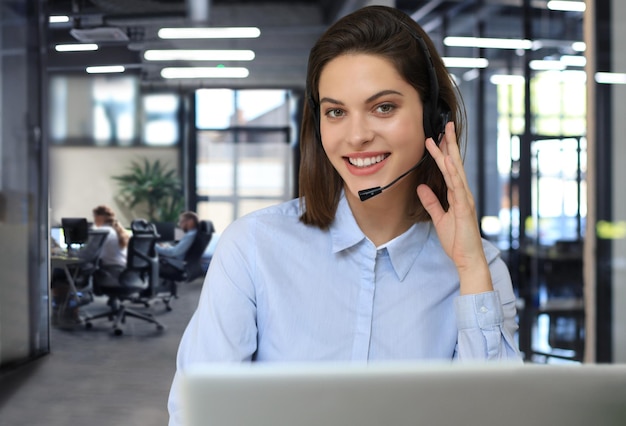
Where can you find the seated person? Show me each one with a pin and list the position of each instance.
(113, 258)
(173, 255)
(112, 261)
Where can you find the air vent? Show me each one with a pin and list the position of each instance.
(99, 35)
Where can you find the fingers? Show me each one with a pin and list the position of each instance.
(448, 158)
(430, 202)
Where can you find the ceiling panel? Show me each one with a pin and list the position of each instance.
(288, 30)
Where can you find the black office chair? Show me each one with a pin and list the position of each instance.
(190, 268)
(139, 278)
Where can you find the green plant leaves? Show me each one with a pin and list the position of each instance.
(154, 187)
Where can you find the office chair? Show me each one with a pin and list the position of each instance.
(140, 277)
(90, 255)
(190, 268)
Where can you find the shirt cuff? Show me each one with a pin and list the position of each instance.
(482, 310)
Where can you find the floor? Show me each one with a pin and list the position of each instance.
(92, 377)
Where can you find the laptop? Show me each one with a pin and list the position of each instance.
(404, 394)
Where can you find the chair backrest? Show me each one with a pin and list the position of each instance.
(193, 256)
(142, 262)
(90, 255)
(95, 244)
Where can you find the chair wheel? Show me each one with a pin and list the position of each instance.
(88, 325)
(160, 327)
(118, 332)
(168, 308)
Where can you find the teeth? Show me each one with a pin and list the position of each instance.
(366, 162)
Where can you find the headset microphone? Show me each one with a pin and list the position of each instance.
(366, 194)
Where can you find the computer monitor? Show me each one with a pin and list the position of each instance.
(75, 230)
(166, 231)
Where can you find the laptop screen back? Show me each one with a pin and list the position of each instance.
(405, 394)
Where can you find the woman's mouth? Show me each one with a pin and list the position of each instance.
(367, 161)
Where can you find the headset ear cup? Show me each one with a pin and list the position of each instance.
(442, 119)
(428, 122)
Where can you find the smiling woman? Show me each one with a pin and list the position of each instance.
(403, 275)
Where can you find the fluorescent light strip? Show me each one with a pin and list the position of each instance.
(204, 72)
(105, 69)
(58, 19)
(465, 62)
(610, 78)
(546, 65)
(225, 32)
(198, 55)
(579, 46)
(506, 79)
(574, 61)
(567, 6)
(488, 43)
(78, 47)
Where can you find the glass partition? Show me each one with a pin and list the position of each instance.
(23, 193)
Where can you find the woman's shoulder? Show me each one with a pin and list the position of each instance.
(275, 216)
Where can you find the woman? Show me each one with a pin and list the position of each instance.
(403, 274)
(113, 257)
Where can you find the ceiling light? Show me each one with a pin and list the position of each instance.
(579, 46)
(610, 78)
(225, 32)
(573, 60)
(204, 72)
(567, 6)
(82, 47)
(105, 69)
(488, 43)
(198, 55)
(465, 62)
(546, 65)
(58, 19)
(506, 79)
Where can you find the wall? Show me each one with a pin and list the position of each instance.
(80, 178)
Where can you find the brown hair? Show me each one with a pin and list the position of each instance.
(193, 216)
(390, 34)
(109, 219)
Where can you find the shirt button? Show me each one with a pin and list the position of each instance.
(484, 310)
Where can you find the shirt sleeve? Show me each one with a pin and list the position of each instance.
(487, 321)
(177, 250)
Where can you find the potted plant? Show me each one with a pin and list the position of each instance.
(153, 189)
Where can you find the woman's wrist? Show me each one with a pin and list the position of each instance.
(476, 279)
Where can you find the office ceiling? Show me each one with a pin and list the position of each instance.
(288, 30)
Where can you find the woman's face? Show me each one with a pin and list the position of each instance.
(370, 121)
(99, 220)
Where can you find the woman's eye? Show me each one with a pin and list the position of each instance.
(334, 113)
(385, 108)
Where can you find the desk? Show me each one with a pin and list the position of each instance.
(64, 262)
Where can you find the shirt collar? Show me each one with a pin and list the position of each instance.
(344, 230)
(403, 250)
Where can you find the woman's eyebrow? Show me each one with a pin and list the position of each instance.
(368, 100)
(330, 101)
(382, 93)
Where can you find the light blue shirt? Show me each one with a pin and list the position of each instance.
(279, 290)
(178, 250)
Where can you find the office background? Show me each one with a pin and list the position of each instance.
(53, 167)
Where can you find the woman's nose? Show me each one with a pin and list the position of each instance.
(359, 130)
